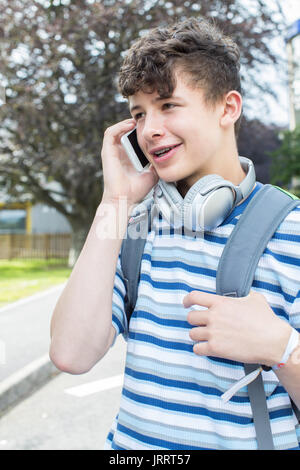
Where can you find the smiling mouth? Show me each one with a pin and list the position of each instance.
(164, 151)
(165, 154)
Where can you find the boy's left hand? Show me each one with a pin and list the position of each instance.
(243, 329)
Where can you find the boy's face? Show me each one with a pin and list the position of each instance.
(186, 125)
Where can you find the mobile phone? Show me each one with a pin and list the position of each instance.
(133, 150)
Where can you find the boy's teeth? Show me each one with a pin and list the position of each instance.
(163, 151)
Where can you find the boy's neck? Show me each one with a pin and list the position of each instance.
(228, 167)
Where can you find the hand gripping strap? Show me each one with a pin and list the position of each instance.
(272, 207)
(236, 269)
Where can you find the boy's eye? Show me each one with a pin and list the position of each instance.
(168, 105)
(138, 116)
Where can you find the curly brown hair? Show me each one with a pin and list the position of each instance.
(209, 59)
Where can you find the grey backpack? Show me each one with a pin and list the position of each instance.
(237, 265)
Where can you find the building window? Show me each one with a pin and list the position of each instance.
(12, 221)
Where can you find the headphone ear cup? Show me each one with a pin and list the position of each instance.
(208, 203)
(202, 185)
(189, 204)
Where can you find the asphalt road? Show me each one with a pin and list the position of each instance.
(56, 418)
(25, 330)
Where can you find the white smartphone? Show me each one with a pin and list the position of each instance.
(133, 150)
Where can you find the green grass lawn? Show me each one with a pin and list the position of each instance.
(21, 278)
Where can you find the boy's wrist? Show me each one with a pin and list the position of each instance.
(278, 347)
(120, 204)
(114, 200)
(292, 344)
(111, 218)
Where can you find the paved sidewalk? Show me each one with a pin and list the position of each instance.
(69, 412)
(66, 412)
(24, 346)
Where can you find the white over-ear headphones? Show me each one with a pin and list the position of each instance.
(207, 203)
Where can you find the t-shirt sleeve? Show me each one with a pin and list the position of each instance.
(281, 278)
(293, 256)
(119, 321)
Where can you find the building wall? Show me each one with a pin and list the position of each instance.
(45, 219)
(38, 219)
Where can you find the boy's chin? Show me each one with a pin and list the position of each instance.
(169, 180)
(175, 179)
(169, 176)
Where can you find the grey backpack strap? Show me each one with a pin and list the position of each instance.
(132, 250)
(260, 411)
(256, 226)
(246, 244)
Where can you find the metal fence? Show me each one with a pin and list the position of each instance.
(32, 246)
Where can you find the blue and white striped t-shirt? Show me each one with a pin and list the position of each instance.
(171, 397)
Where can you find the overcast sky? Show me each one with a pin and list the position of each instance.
(279, 109)
(291, 9)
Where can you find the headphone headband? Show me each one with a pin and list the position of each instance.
(248, 182)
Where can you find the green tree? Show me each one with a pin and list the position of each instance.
(59, 63)
(285, 169)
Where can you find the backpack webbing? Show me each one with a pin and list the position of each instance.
(264, 213)
(237, 265)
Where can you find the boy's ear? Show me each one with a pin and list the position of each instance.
(232, 108)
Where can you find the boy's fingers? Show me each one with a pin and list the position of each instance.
(200, 298)
(202, 349)
(199, 333)
(120, 128)
(198, 318)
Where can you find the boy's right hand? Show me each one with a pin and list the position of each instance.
(121, 179)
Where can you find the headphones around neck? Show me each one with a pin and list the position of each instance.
(207, 203)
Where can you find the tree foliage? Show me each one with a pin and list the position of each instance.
(59, 64)
(285, 169)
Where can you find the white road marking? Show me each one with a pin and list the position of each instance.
(96, 386)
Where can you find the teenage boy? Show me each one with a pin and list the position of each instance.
(184, 93)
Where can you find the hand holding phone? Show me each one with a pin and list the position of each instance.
(133, 150)
(121, 176)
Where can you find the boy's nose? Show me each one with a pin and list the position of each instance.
(152, 129)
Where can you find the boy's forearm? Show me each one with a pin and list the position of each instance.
(81, 323)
